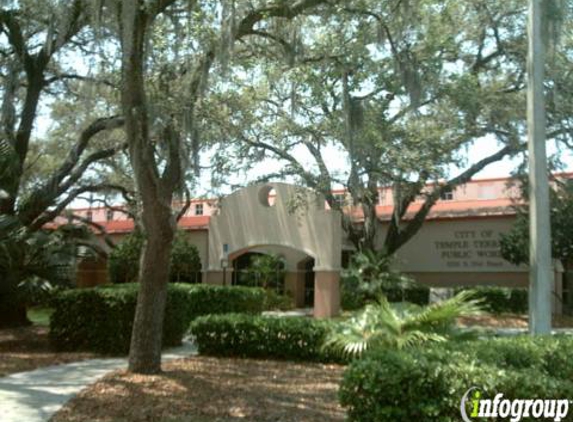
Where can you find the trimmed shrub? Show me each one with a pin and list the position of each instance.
(291, 338)
(428, 384)
(500, 300)
(551, 355)
(205, 300)
(185, 263)
(101, 319)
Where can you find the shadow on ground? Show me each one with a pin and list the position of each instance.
(208, 389)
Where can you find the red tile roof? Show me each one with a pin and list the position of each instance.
(441, 210)
(457, 209)
(200, 222)
(450, 209)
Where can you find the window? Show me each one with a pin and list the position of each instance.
(198, 209)
(109, 215)
(89, 216)
(447, 194)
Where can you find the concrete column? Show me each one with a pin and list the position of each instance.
(326, 294)
(540, 274)
(294, 286)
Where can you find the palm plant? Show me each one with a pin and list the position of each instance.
(369, 275)
(33, 262)
(382, 325)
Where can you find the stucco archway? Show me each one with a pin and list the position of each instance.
(279, 214)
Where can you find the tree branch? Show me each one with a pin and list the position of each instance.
(69, 172)
(281, 10)
(101, 229)
(186, 206)
(401, 236)
(50, 215)
(63, 76)
(299, 168)
(105, 204)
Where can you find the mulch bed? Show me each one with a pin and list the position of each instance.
(203, 389)
(510, 321)
(28, 348)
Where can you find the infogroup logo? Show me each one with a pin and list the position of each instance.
(473, 407)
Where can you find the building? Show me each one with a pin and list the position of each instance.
(458, 245)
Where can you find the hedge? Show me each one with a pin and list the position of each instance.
(205, 300)
(278, 302)
(428, 384)
(500, 300)
(101, 319)
(354, 296)
(496, 299)
(290, 338)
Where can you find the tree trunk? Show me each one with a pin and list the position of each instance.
(13, 314)
(156, 192)
(146, 340)
(12, 307)
(371, 223)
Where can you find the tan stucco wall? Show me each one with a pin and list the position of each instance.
(457, 246)
(244, 221)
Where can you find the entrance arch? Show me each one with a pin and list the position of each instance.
(280, 215)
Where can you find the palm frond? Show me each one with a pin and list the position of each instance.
(442, 315)
(382, 325)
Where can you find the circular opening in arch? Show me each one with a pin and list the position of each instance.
(267, 196)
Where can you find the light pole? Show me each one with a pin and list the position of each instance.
(540, 272)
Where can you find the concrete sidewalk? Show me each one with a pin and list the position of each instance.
(35, 396)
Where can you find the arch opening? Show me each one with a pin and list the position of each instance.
(245, 224)
(278, 268)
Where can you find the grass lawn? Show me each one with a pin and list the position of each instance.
(203, 389)
(40, 316)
